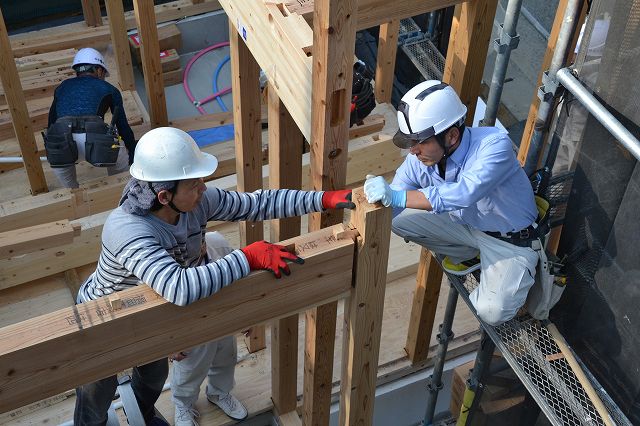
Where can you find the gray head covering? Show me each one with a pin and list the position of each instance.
(138, 196)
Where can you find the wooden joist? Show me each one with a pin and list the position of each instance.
(157, 327)
(122, 53)
(62, 57)
(88, 37)
(38, 237)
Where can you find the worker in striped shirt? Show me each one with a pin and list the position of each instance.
(157, 237)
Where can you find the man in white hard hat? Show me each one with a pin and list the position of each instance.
(464, 196)
(156, 237)
(76, 128)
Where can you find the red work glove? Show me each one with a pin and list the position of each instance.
(337, 199)
(272, 257)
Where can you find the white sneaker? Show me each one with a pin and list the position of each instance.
(186, 416)
(230, 405)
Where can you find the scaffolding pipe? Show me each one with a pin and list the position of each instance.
(507, 42)
(13, 160)
(600, 113)
(548, 90)
(434, 382)
(475, 383)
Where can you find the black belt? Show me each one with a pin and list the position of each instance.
(522, 238)
(78, 123)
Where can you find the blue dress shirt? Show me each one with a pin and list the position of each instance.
(484, 186)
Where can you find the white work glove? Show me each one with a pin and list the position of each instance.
(377, 189)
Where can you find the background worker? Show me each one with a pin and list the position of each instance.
(157, 237)
(78, 109)
(465, 196)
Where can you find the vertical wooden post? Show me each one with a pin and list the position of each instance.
(423, 310)
(386, 63)
(285, 171)
(146, 22)
(92, 13)
(334, 26)
(20, 114)
(115, 12)
(245, 75)
(546, 62)
(363, 312)
(467, 51)
(466, 57)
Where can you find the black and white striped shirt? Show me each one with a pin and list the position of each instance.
(172, 259)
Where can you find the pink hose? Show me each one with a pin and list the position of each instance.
(185, 77)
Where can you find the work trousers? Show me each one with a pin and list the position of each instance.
(507, 271)
(215, 360)
(93, 399)
(67, 175)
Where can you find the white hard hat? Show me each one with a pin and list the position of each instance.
(89, 56)
(168, 154)
(426, 110)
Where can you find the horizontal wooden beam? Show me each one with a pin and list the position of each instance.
(372, 13)
(85, 342)
(39, 237)
(365, 155)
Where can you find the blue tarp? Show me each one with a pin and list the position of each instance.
(213, 135)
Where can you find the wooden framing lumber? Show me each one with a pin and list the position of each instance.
(363, 312)
(169, 37)
(333, 52)
(158, 327)
(378, 156)
(122, 53)
(245, 76)
(87, 37)
(91, 12)
(467, 51)
(176, 10)
(21, 241)
(285, 171)
(279, 50)
(423, 309)
(19, 114)
(386, 62)
(146, 20)
(43, 60)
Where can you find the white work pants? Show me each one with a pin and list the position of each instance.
(215, 360)
(507, 271)
(67, 175)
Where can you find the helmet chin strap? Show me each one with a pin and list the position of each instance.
(170, 203)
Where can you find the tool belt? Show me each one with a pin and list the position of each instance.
(101, 146)
(522, 238)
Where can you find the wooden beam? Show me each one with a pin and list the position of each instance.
(115, 12)
(87, 37)
(277, 43)
(146, 20)
(38, 237)
(546, 62)
(423, 309)
(19, 114)
(45, 60)
(285, 171)
(157, 327)
(467, 52)
(92, 13)
(332, 75)
(363, 312)
(245, 80)
(386, 62)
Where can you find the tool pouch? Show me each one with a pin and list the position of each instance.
(61, 149)
(545, 292)
(101, 147)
